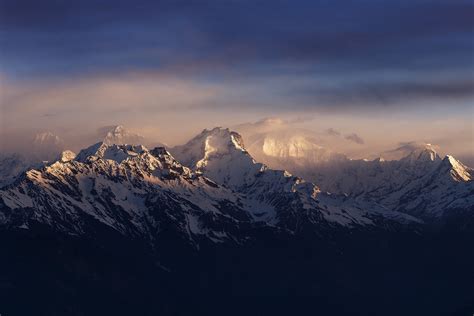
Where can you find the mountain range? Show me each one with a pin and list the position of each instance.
(419, 182)
(206, 217)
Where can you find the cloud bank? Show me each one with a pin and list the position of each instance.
(384, 71)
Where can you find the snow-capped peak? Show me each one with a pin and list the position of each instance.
(222, 138)
(157, 162)
(209, 142)
(118, 131)
(219, 141)
(46, 146)
(47, 138)
(116, 183)
(412, 151)
(67, 155)
(119, 135)
(424, 153)
(219, 154)
(458, 171)
(114, 152)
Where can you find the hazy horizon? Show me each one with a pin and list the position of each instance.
(169, 70)
(339, 140)
(349, 186)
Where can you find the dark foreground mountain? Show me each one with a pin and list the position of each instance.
(120, 229)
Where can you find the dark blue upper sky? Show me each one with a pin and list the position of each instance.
(344, 53)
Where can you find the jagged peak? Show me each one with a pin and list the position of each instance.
(224, 134)
(209, 143)
(67, 155)
(116, 131)
(115, 152)
(219, 154)
(165, 157)
(221, 141)
(92, 150)
(423, 153)
(457, 169)
(118, 134)
(45, 146)
(47, 137)
(159, 151)
(157, 162)
(412, 151)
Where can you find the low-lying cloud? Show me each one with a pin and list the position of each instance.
(355, 138)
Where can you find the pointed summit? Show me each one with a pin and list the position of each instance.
(412, 151)
(47, 138)
(458, 171)
(46, 146)
(421, 154)
(209, 142)
(219, 154)
(114, 152)
(224, 138)
(119, 135)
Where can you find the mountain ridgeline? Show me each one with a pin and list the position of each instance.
(120, 228)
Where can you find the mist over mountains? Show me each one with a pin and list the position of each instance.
(420, 187)
(275, 216)
(299, 151)
(237, 157)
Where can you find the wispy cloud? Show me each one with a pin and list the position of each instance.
(355, 138)
(130, 93)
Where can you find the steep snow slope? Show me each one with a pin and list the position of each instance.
(421, 183)
(220, 154)
(407, 149)
(146, 193)
(128, 188)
